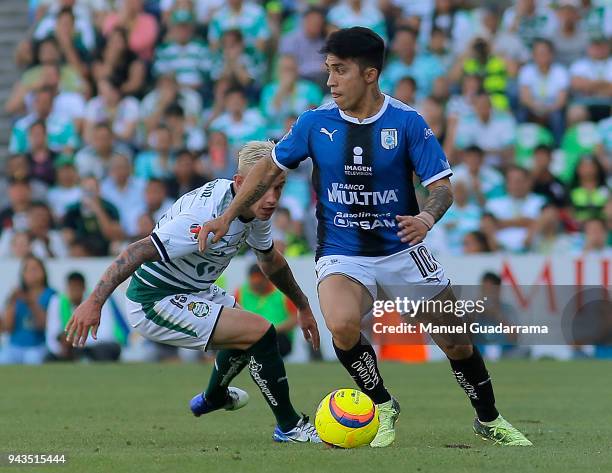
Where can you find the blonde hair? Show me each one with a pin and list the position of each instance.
(252, 152)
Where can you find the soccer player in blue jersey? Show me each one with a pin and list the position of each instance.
(365, 147)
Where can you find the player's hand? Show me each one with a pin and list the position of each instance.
(412, 230)
(218, 227)
(309, 327)
(85, 317)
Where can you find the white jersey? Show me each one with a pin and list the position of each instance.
(183, 269)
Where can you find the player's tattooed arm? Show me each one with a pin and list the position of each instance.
(440, 198)
(275, 267)
(123, 267)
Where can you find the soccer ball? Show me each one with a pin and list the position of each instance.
(347, 418)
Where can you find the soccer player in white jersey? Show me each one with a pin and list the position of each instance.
(365, 147)
(172, 297)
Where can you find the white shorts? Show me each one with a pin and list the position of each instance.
(183, 320)
(412, 273)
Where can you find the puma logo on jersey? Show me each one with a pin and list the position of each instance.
(326, 132)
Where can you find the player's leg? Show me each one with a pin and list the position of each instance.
(246, 338)
(343, 303)
(471, 374)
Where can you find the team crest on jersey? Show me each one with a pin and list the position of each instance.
(194, 229)
(388, 138)
(199, 309)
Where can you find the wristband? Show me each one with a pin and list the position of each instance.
(426, 218)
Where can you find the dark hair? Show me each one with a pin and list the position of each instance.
(75, 276)
(410, 80)
(234, 32)
(38, 123)
(156, 180)
(516, 167)
(24, 261)
(409, 30)
(482, 240)
(545, 148)
(254, 269)
(184, 152)
(361, 44)
(491, 277)
(66, 11)
(474, 149)
(37, 46)
(174, 110)
(103, 125)
(546, 42)
(235, 89)
(601, 173)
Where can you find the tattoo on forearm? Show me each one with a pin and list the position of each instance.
(439, 200)
(259, 191)
(126, 263)
(283, 279)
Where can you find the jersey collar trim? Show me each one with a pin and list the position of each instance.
(367, 120)
(242, 219)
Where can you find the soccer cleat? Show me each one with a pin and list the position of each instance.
(236, 399)
(501, 432)
(303, 432)
(388, 413)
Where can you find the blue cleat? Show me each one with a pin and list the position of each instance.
(236, 399)
(303, 432)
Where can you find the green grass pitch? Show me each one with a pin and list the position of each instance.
(135, 418)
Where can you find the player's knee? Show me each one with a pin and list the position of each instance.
(258, 327)
(457, 352)
(345, 332)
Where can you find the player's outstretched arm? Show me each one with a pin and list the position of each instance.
(275, 267)
(413, 229)
(87, 315)
(257, 182)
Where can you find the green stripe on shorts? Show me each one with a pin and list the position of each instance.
(152, 315)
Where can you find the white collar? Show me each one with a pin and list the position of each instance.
(367, 120)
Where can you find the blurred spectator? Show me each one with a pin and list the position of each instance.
(407, 62)
(544, 182)
(46, 53)
(589, 192)
(92, 221)
(258, 295)
(248, 17)
(475, 242)
(349, 13)
(15, 216)
(183, 134)
(125, 192)
(41, 158)
(461, 218)
(239, 123)
(25, 315)
(110, 106)
(119, 64)
(157, 201)
(165, 93)
(571, 37)
(491, 130)
(462, 105)
(517, 211)
(544, 88)
(528, 137)
(218, 162)
(591, 79)
(43, 241)
(66, 191)
(489, 227)
(433, 113)
(546, 236)
(18, 167)
(232, 63)
(530, 20)
(185, 177)
(478, 60)
(304, 45)
(141, 27)
(182, 54)
(145, 224)
(453, 21)
(581, 137)
(287, 96)
(61, 132)
(157, 161)
(405, 90)
(287, 234)
(438, 47)
(203, 9)
(111, 333)
(94, 159)
(596, 238)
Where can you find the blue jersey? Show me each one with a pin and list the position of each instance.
(362, 173)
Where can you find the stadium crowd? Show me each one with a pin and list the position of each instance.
(125, 105)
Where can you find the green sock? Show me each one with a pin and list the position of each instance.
(227, 366)
(268, 371)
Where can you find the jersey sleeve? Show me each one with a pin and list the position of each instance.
(293, 147)
(260, 237)
(428, 159)
(177, 237)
